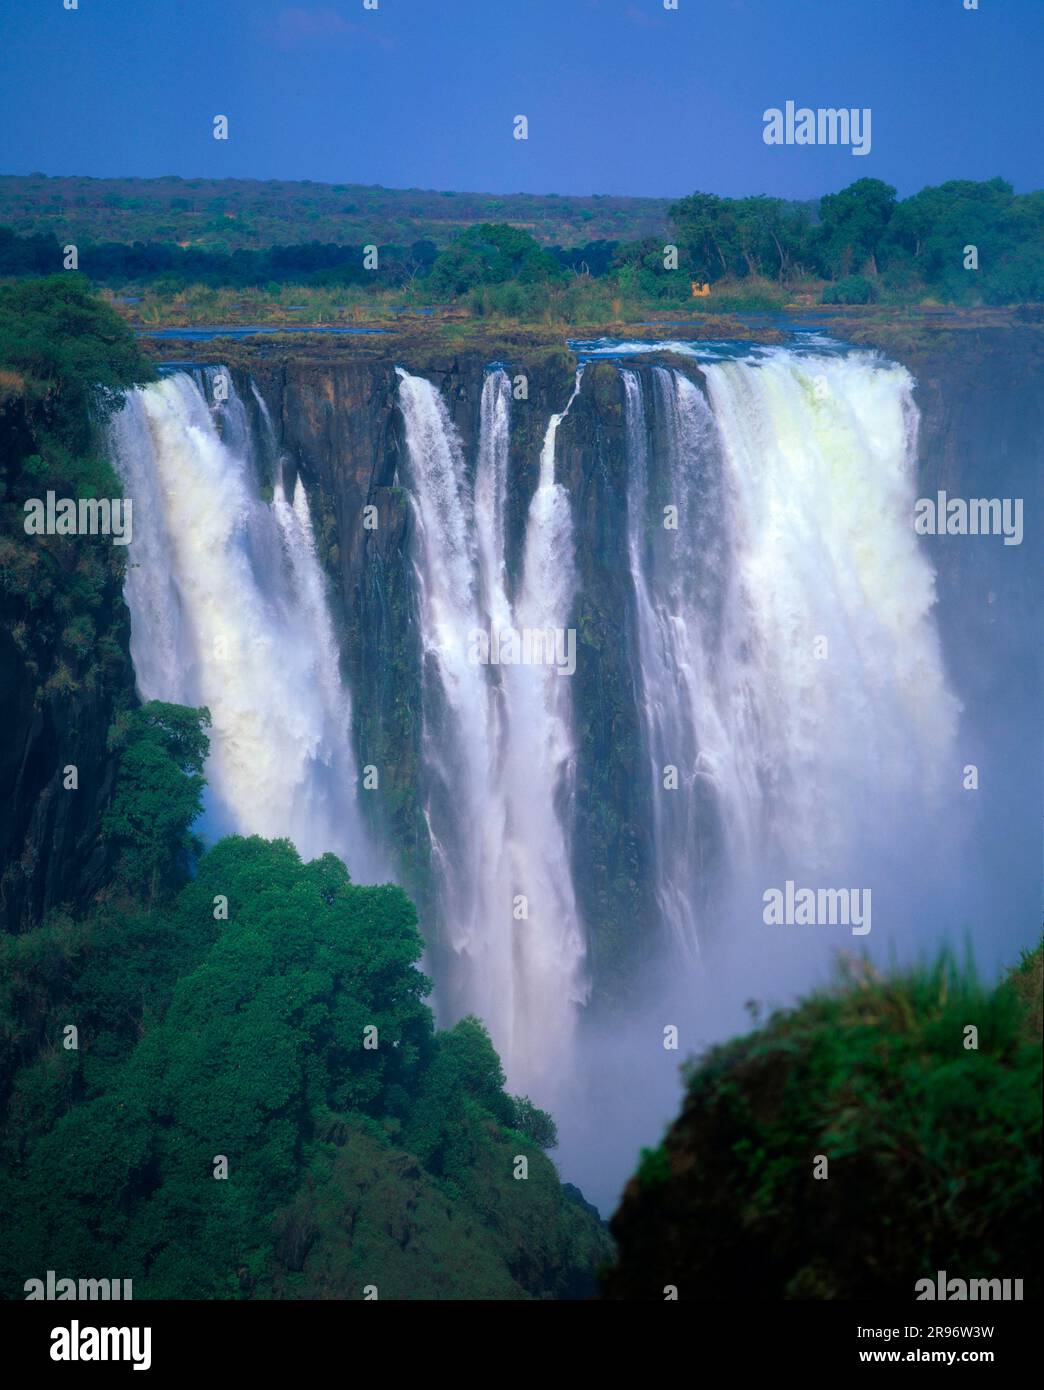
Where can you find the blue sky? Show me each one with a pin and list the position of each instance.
(621, 95)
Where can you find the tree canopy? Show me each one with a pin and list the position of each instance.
(239, 1014)
(491, 254)
(76, 357)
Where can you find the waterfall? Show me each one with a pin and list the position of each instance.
(491, 494)
(701, 782)
(789, 663)
(794, 713)
(550, 945)
(495, 736)
(228, 610)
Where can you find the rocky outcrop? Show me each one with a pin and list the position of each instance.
(846, 1149)
(980, 394)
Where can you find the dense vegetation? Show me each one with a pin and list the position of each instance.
(232, 214)
(244, 1005)
(933, 1148)
(859, 246)
(69, 359)
(65, 361)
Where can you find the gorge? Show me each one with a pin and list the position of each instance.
(762, 690)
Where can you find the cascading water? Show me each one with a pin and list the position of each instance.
(766, 513)
(465, 819)
(496, 737)
(703, 784)
(787, 669)
(228, 610)
(853, 702)
(549, 944)
(790, 666)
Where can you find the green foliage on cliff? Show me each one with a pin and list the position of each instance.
(268, 1014)
(159, 793)
(71, 357)
(65, 361)
(933, 1148)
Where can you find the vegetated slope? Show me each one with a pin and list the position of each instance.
(257, 1103)
(65, 671)
(226, 214)
(373, 1214)
(933, 1148)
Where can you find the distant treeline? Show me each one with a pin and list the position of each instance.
(486, 254)
(146, 262)
(962, 242)
(225, 214)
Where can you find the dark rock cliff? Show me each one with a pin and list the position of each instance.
(65, 673)
(339, 426)
(981, 402)
(980, 394)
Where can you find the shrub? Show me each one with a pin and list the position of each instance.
(851, 289)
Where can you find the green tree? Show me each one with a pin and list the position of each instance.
(640, 270)
(850, 289)
(928, 235)
(535, 1124)
(771, 236)
(464, 1084)
(852, 225)
(705, 224)
(159, 793)
(75, 356)
(491, 254)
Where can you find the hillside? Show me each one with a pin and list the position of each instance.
(229, 214)
(850, 1147)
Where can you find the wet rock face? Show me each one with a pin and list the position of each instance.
(981, 399)
(53, 852)
(340, 427)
